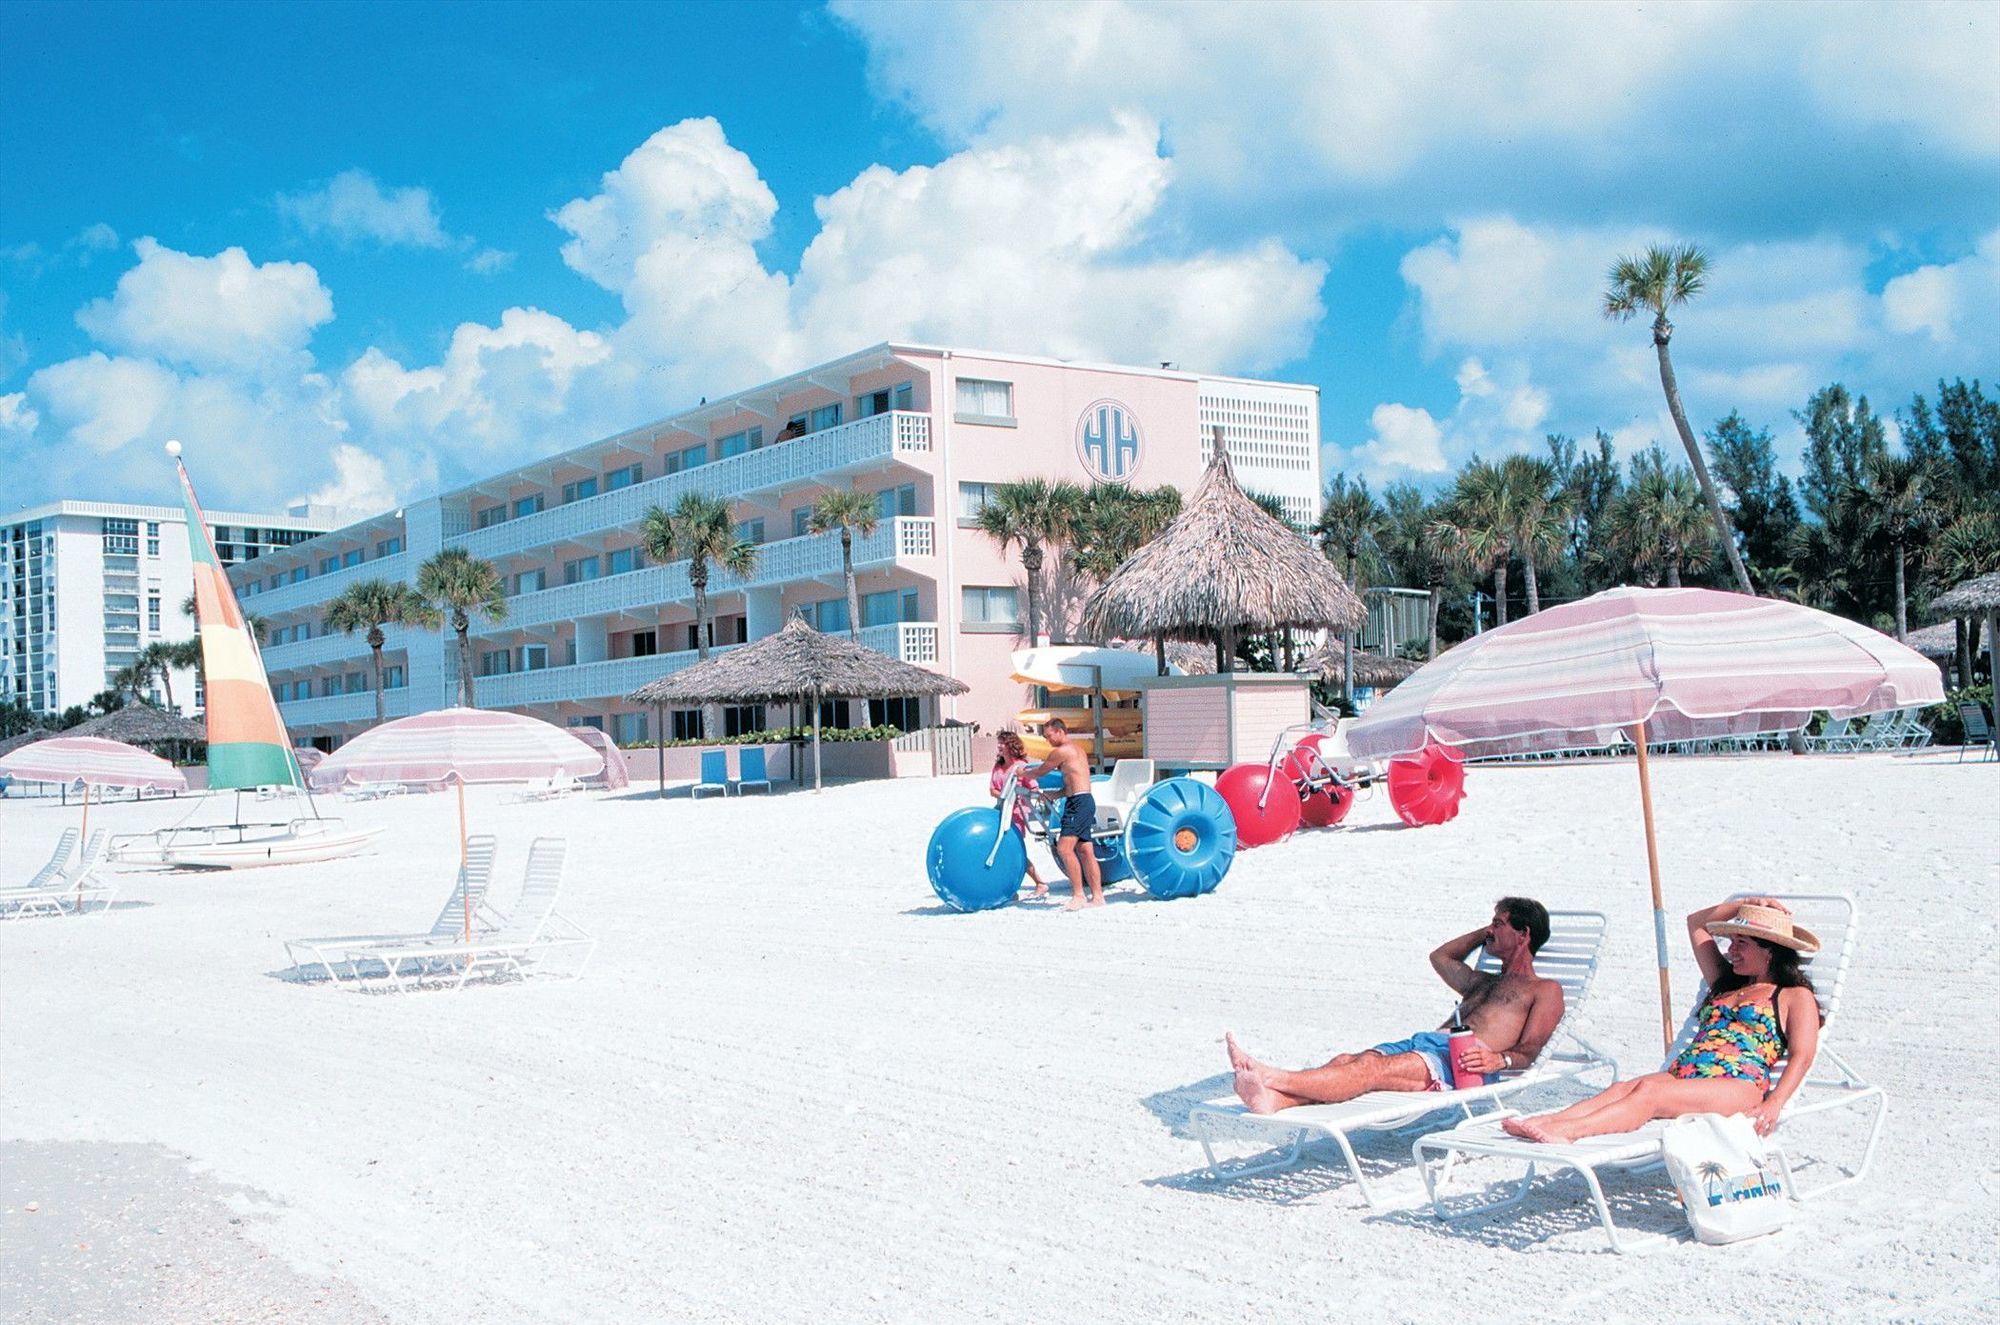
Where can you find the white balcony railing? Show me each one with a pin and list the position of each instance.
(788, 559)
(832, 451)
(319, 588)
(338, 647)
(360, 707)
(911, 641)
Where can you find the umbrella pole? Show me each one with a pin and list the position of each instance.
(1653, 870)
(465, 894)
(660, 742)
(815, 742)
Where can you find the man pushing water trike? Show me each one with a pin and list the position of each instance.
(1510, 1016)
(1073, 850)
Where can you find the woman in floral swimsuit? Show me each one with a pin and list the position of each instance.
(1760, 1009)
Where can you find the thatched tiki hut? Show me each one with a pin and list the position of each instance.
(1329, 663)
(1973, 601)
(1222, 570)
(798, 664)
(136, 724)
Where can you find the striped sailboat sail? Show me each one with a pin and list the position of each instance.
(247, 743)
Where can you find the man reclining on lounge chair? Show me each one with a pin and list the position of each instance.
(1513, 1014)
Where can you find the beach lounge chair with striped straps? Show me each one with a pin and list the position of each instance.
(34, 896)
(1832, 1084)
(1570, 957)
(313, 955)
(532, 938)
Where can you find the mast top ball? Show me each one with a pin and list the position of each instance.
(173, 448)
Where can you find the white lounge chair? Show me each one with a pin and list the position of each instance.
(1570, 957)
(82, 886)
(550, 788)
(474, 877)
(34, 896)
(1833, 1084)
(524, 941)
(372, 791)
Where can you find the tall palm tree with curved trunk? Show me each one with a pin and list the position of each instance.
(1896, 500)
(699, 530)
(852, 512)
(370, 605)
(1660, 279)
(1034, 513)
(1352, 524)
(451, 587)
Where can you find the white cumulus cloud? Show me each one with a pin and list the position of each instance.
(353, 206)
(217, 312)
(360, 486)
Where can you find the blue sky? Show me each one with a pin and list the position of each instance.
(352, 251)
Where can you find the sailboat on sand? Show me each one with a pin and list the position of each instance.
(248, 748)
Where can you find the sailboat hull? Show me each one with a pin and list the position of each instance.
(247, 846)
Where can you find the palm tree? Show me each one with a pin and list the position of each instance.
(1351, 523)
(1662, 279)
(451, 586)
(1541, 506)
(1659, 523)
(370, 605)
(699, 530)
(1894, 496)
(1411, 543)
(159, 660)
(851, 512)
(1034, 513)
(1968, 546)
(255, 624)
(1477, 523)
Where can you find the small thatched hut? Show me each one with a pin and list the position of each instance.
(1329, 663)
(1223, 569)
(797, 664)
(1972, 601)
(142, 724)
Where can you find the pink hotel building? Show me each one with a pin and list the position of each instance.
(927, 430)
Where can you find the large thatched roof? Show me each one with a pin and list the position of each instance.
(1223, 566)
(141, 724)
(1329, 662)
(1979, 594)
(29, 737)
(796, 661)
(1941, 641)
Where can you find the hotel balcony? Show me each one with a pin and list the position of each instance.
(320, 588)
(901, 541)
(301, 713)
(842, 451)
(339, 647)
(910, 641)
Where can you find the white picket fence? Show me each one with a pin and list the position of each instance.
(950, 748)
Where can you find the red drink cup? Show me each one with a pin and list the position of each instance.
(1460, 1078)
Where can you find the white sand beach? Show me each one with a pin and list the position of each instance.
(793, 1087)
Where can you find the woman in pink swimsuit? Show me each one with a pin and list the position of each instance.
(1013, 754)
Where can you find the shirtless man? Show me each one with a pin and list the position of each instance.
(1073, 848)
(1513, 1014)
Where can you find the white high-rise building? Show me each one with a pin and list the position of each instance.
(85, 586)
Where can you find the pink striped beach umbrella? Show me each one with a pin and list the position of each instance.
(92, 762)
(460, 745)
(1663, 664)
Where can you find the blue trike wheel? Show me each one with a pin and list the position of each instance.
(1180, 839)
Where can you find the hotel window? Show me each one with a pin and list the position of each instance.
(534, 657)
(972, 499)
(531, 581)
(801, 521)
(388, 547)
(751, 531)
(496, 662)
(686, 724)
(690, 458)
(905, 396)
(736, 443)
(357, 682)
(892, 502)
(328, 565)
(152, 538)
(742, 721)
(298, 574)
(881, 402)
(888, 607)
(121, 538)
(577, 491)
(527, 505)
(623, 478)
(828, 616)
(392, 677)
(153, 613)
(583, 568)
(826, 416)
(623, 560)
(645, 643)
(352, 558)
(488, 516)
(990, 610)
(904, 714)
(630, 728)
(982, 401)
(569, 652)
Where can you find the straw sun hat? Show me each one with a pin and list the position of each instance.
(1769, 924)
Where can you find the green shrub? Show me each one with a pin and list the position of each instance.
(780, 735)
(1943, 720)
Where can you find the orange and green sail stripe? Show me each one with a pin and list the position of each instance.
(247, 742)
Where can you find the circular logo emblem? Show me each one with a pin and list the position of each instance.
(1108, 442)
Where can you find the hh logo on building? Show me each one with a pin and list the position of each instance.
(1107, 438)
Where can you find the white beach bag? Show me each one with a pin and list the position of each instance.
(1726, 1178)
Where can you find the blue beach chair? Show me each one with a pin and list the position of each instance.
(714, 773)
(750, 770)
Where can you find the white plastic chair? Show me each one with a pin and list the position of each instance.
(1570, 957)
(1832, 1083)
(1131, 779)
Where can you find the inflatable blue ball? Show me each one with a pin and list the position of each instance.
(958, 854)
